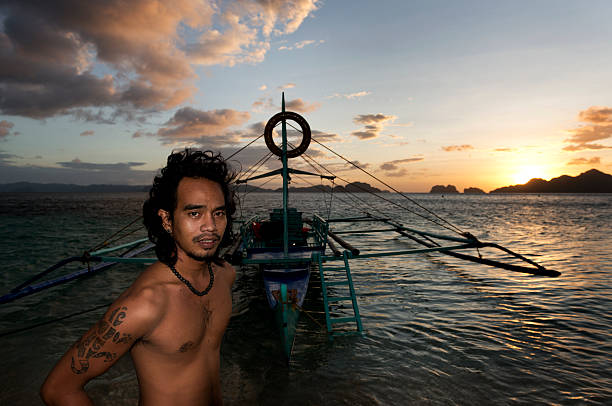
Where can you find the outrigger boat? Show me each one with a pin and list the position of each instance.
(289, 248)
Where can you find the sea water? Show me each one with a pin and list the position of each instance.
(438, 330)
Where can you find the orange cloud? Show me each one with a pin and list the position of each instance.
(286, 86)
(394, 165)
(350, 96)
(599, 128)
(584, 161)
(5, 129)
(596, 114)
(463, 147)
(301, 106)
(49, 51)
(373, 124)
(191, 124)
(324, 137)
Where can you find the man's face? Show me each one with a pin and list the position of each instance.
(199, 219)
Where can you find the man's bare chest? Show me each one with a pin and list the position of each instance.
(191, 323)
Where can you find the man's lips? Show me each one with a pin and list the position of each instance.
(207, 241)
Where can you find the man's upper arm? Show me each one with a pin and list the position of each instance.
(126, 320)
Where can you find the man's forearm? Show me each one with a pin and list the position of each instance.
(54, 397)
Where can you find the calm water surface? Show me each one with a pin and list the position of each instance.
(438, 330)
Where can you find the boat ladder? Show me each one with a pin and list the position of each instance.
(339, 277)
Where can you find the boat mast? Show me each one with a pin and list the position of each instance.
(285, 186)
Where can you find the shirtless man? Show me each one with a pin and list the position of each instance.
(172, 318)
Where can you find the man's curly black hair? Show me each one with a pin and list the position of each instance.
(189, 163)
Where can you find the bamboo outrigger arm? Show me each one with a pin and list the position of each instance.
(428, 239)
(536, 270)
(280, 171)
(103, 262)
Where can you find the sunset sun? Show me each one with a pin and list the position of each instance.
(524, 174)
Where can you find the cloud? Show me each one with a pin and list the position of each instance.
(463, 147)
(397, 174)
(300, 45)
(88, 166)
(98, 117)
(77, 172)
(596, 114)
(582, 147)
(64, 56)
(87, 133)
(324, 137)
(6, 158)
(364, 135)
(598, 127)
(504, 149)
(373, 124)
(138, 134)
(584, 161)
(263, 87)
(5, 129)
(263, 103)
(197, 125)
(356, 95)
(286, 86)
(394, 165)
(301, 106)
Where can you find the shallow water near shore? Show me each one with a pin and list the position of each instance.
(438, 330)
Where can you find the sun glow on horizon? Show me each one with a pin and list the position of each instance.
(524, 174)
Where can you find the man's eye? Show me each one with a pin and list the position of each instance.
(220, 214)
(194, 214)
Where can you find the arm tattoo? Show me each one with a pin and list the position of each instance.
(90, 345)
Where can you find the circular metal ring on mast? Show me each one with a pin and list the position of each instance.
(287, 115)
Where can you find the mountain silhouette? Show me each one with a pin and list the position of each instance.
(592, 181)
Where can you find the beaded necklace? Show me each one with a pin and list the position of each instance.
(190, 286)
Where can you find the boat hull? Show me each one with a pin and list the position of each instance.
(286, 290)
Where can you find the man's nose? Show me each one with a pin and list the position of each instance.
(208, 223)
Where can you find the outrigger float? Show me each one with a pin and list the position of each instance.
(289, 248)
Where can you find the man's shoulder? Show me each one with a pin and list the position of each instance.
(227, 269)
(148, 294)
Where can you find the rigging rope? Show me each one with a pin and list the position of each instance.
(108, 241)
(44, 323)
(255, 166)
(442, 222)
(241, 149)
(455, 229)
(451, 226)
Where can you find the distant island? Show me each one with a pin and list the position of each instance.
(592, 181)
(29, 187)
(353, 187)
(441, 189)
(452, 189)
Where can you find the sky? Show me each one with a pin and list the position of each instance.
(419, 93)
